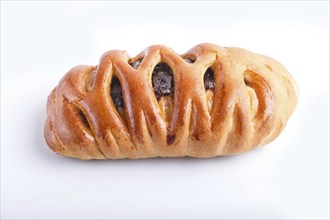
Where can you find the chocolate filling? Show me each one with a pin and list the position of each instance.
(209, 79)
(162, 80)
(170, 139)
(116, 93)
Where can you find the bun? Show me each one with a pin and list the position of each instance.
(208, 102)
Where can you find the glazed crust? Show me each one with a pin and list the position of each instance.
(253, 98)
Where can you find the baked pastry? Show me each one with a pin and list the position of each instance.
(207, 102)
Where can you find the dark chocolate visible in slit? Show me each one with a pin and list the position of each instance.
(209, 79)
(116, 93)
(162, 80)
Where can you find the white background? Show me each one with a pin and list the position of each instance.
(40, 42)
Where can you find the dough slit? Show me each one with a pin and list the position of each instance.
(87, 126)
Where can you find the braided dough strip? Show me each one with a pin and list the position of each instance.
(253, 98)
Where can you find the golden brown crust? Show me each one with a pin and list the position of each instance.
(253, 98)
